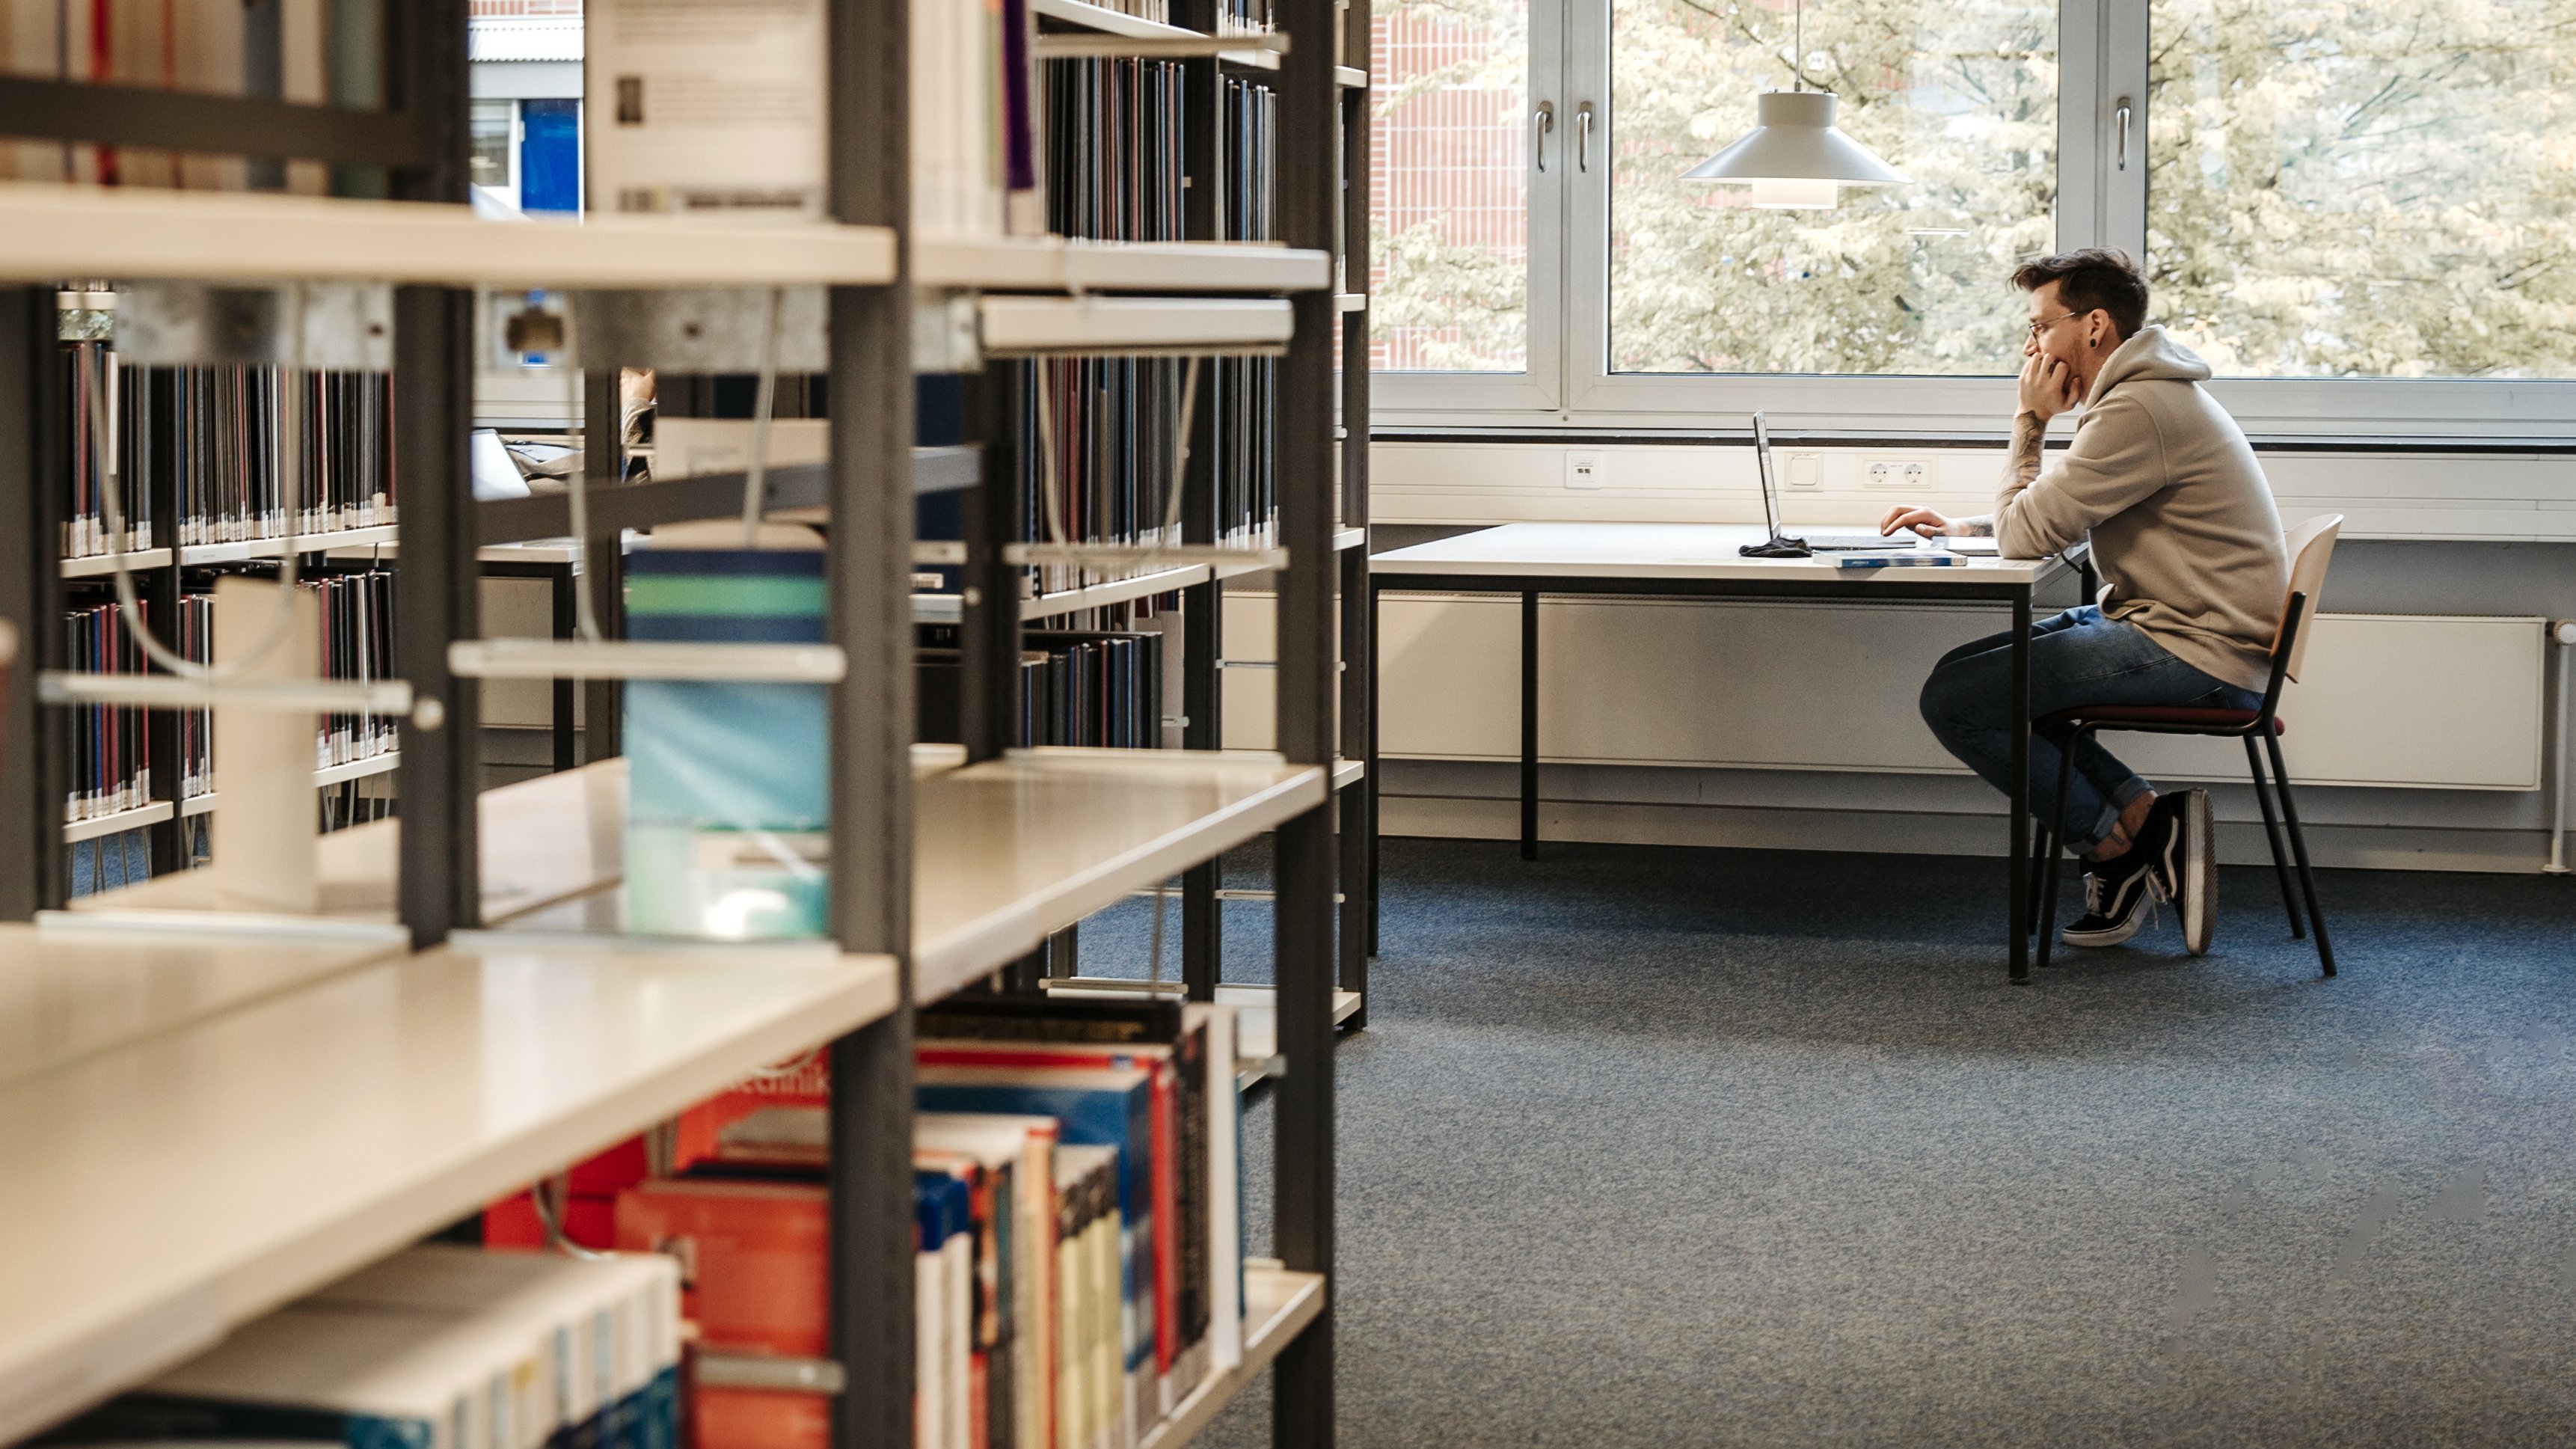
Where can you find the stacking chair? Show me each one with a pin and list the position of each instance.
(2311, 544)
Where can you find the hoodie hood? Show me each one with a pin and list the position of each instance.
(2151, 353)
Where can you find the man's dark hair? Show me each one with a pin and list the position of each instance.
(2089, 278)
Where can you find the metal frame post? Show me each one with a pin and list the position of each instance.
(1357, 805)
(1202, 605)
(1302, 1398)
(33, 866)
(988, 680)
(436, 589)
(870, 588)
(603, 466)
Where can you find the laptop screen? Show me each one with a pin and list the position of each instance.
(1762, 461)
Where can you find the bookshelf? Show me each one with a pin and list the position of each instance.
(292, 1098)
(330, 1123)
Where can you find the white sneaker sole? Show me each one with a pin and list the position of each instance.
(2199, 904)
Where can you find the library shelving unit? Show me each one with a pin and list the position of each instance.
(212, 1114)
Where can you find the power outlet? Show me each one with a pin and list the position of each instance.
(1585, 469)
(1898, 475)
(1806, 470)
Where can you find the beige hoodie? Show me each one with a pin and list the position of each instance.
(2184, 531)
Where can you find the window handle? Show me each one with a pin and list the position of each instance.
(2120, 128)
(1583, 137)
(1542, 121)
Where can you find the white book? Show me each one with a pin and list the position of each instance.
(1225, 1186)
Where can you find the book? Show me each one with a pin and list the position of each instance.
(726, 786)
(1099, 688)
(438, 1348)
(1094, 1105)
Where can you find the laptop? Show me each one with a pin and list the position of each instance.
(1814, 542)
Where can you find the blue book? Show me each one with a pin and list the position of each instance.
(1106, 1107)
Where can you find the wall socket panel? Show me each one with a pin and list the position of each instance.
(1897, 475)
(1806, 470)
(1585, 469)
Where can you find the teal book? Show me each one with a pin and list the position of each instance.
(727, 785)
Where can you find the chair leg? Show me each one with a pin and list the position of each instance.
(2056, 833)
(2299, 847)
(2272, 833)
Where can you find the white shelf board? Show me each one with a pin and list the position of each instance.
(1349, 538)
(1350, 77)
(1060, 325)
(69, 994)
(1350, 301)
(1277, 1306)
(50, 231)
(1010, 850)
(185, 1183)
(1108, 21)
(384, 764)
(542, 840)
(105, 563)
(1347, 773)
(358, 769)
(1256, 1028)
(1056, 264)
(122, 820)
(249, 548)
(945, 608)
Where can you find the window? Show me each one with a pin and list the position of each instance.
(1958, 94)
(2363, 215)
(2379, 189)
(489, 127)
(1450, 155)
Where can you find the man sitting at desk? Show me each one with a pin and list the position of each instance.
(2193, 569)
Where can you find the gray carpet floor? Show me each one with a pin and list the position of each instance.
(1680, 1147)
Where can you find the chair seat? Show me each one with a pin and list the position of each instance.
(2164, 716)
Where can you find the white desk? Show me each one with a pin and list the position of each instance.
(1700, 560)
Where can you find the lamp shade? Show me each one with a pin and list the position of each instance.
(1796, 142)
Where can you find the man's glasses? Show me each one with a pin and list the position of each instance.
(2045, 323)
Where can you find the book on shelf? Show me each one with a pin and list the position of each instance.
(1099, 688)
(436, 1348)
(294, 52)
(727, 800)
(1078, 1224)
(111, 745)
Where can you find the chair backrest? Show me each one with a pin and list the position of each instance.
(2310, 545)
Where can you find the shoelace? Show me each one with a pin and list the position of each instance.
(2155, 896)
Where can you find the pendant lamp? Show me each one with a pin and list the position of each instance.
(1795, 159)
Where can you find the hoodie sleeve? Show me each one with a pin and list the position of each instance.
(2116, 460)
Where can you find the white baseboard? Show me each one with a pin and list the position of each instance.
(1902, 832)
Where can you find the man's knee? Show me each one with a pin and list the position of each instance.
(1950, 700)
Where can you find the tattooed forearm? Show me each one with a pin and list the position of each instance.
(2021, 465)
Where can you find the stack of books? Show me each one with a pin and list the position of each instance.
(438, 1348)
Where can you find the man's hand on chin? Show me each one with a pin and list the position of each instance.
(2048, 387)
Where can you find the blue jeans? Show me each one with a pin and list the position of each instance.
(2076, 658)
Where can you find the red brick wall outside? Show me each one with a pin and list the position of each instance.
(1455, 157)
(484, 9)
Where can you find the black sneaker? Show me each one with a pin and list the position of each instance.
(2186, 863)
(2120, 897)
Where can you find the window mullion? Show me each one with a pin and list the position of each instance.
(2123, 53)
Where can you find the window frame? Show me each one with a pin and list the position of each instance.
(2103, 48)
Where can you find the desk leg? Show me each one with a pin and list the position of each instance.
(1377, 677)
(1529, 724)
(2017, 920)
